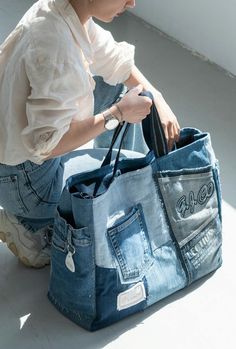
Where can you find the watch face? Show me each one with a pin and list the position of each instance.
(111, 123)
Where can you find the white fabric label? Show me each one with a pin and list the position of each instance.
(70, 262)
(133, 296)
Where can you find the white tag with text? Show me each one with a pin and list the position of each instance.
(132, 296)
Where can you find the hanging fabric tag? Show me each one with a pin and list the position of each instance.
(70, 262)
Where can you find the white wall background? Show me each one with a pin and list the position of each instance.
(205, 26)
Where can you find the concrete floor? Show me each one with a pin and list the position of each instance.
(201, 95)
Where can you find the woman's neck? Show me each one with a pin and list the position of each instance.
(81, 9)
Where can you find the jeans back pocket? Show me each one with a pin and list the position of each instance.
(130, 245)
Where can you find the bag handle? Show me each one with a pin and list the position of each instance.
(153, 134)
(116, 134)
(107, 159)
(152, 130)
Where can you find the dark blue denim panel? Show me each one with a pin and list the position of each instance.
(82, 184)
(73, 291)
(130, 245)
(216, 173)
(203, 253)
(105, 94)
(82, 319)
(108, 287)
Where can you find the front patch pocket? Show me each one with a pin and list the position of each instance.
(190, 199)
(130, 245)
(73, 289)
(203, 254)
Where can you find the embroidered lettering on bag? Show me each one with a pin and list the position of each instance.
(132, 296)
(187, 204)
(198, 253)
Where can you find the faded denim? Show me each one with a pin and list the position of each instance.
(154, 230)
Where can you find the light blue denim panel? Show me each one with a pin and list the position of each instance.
(203, 253)
(191, 201)
(166, 275)
(105, 211)
(130, 245)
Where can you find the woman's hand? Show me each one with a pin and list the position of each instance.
(168, 120)
(134, 108)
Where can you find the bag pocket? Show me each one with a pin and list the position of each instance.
(72, 269)
(203, 254)
(190, 199)
(10, 198)
(130, 245)
(193, 208)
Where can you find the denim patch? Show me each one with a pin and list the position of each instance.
(190, 199)
(130, 245)
(74, 290)
(108, 289)
(134, 295)
(166, 275)
(203, 253)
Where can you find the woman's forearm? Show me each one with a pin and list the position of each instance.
(131, 108)
(79, 133)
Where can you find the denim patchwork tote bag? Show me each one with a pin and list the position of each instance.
(131, 233)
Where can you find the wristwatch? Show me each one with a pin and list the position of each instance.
(111, 121)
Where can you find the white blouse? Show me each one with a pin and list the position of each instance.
(46, 69)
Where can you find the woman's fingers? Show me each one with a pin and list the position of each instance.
(134, 107)
(172, 131)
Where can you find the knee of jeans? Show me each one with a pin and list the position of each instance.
(103, 140)
(105, 95)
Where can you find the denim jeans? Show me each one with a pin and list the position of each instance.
(31, 192)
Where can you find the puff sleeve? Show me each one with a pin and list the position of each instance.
(57, 95)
